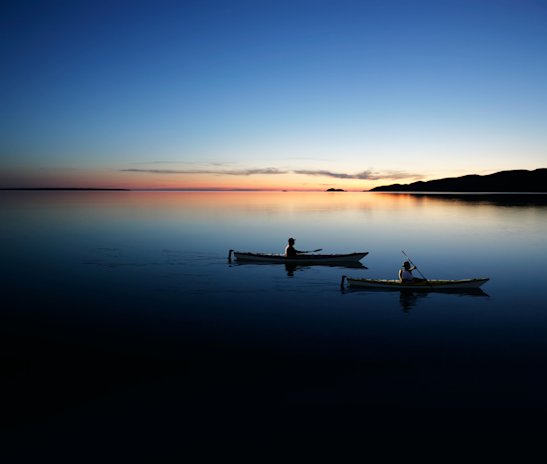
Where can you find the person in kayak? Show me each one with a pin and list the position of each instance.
(405, 273)
(290, 250)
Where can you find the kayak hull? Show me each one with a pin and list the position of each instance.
(431, 285)
(299, 259)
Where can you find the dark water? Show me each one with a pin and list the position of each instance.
(122, 316)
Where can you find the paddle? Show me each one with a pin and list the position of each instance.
(416, 267)
(311, 251)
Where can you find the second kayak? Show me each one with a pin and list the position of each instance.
(419, 285)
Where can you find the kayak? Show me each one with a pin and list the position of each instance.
(301, 258)
(420, 285)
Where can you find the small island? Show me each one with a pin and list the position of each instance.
(334, 190)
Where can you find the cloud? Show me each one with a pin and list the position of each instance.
(159, 171)
(364, 175)
(248, 172)
(228, 172)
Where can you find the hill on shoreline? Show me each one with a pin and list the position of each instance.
(504, 181)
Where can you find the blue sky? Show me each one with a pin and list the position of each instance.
(300, 94)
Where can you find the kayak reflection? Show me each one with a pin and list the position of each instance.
(409, 298)
(291, 268)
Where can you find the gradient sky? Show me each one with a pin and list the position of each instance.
(269, 94)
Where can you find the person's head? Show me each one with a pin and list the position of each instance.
(406, 265)
(291, 241)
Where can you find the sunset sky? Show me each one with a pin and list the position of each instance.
(269, 94)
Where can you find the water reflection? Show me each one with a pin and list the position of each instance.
(495, 199)
(291, 268)
(409, 299)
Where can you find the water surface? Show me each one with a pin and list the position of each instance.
(118, 302)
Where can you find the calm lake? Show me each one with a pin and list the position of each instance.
(121, 311)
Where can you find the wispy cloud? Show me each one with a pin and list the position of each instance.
(229, 172)
(160, 171)
(248, 172)
(364, 175)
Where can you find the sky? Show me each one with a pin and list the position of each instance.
(296, 95)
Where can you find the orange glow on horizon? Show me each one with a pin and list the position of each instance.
(226, 203)
(108, 178)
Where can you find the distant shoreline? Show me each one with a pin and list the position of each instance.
(454, 193)
(67, 188)
(516, 181)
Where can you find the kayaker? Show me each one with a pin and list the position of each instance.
(405, 273)
(290, 250)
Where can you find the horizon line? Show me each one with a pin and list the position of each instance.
(170, 189)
